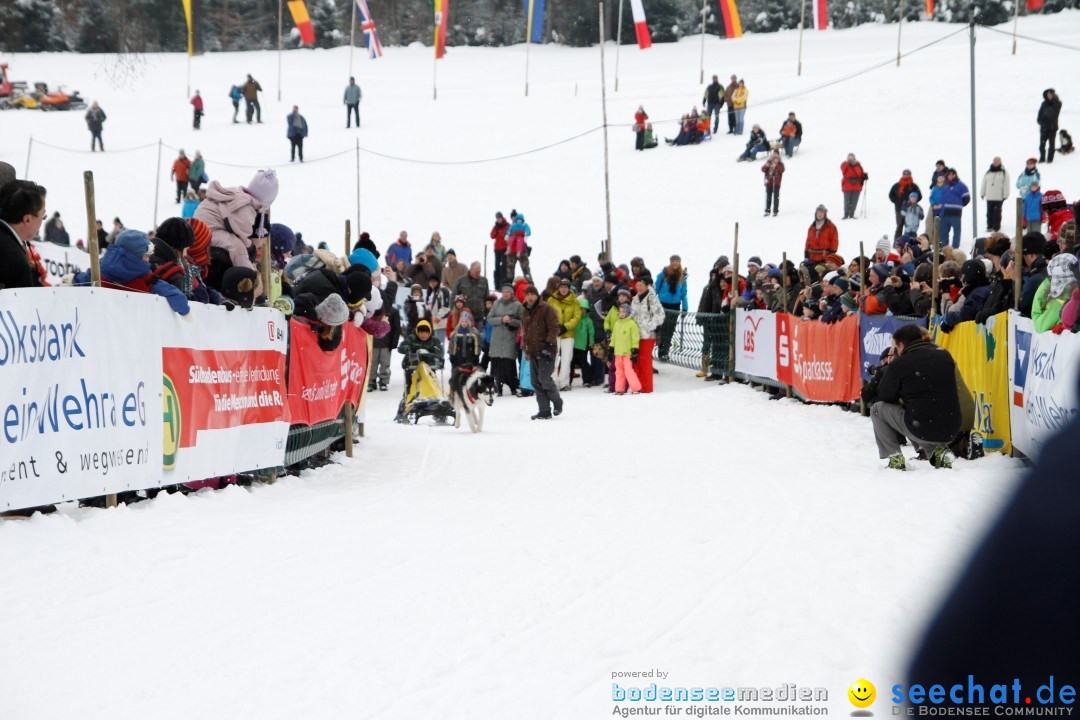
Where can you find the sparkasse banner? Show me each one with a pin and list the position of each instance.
(75, 421)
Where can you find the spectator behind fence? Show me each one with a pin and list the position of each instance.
(22, 211)
(917, 399)
(126, 267)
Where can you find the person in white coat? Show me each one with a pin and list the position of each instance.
(647, 310)
(995, 191)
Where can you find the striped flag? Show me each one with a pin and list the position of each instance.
(730, 15)
(643, 39)
(821, 13)
(441, 7)
(300, 17)
(1034, 5)
(534, 26)
(929, 8)
(367, 24)
(190, 35)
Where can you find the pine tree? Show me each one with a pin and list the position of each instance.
(96, 32)
(327, 21)
(33, 26)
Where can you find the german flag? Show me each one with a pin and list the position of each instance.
(300, 16)
(730, 15)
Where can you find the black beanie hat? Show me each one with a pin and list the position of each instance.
(359, 287)
(176, 233)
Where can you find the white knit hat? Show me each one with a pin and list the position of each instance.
(264, 187)
(885, 244)
(332, 311)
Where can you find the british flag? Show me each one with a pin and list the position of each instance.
(367, 24)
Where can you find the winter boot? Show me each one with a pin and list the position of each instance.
(541, 416)
(896, 462)
(942, 457)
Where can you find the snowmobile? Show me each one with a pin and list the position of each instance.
(19, 102)
(425, 398)
(8, 87)
(59, 99)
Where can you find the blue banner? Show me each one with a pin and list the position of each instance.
(537, 20)
(875, 335)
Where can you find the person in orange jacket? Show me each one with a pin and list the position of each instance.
(853, 177)
(822, 238)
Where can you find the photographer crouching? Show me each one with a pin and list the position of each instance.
(917, 398)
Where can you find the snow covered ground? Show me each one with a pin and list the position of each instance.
(708, 532)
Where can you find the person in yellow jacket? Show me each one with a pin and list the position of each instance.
(625, 338)
(738, 101)
(569, 311)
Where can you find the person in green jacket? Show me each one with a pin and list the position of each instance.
(569, 311)
(195, 172)
(584, 337)
(1054, 292)
(625, 338)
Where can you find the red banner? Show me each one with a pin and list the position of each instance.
(320, 383)
(820, 361)
(218, 389)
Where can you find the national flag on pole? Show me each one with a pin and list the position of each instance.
(821, 13)
(929, 8)
(190, 34)
(367, 24)
(730, 15)
(302, 20)
(534, 13)
(441, 8)
(642, 29)
(1034, 5)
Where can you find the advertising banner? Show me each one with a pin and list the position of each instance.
(1043, 370)
(981, 353)
(819, 361)
(223, 397)
(320, 383)
(875, 335)
(755, 343)
(80, 394)
(61, 260)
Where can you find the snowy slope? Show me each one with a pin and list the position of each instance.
(667, 200)
(446, 575)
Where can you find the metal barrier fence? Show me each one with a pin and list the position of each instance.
(305, 441)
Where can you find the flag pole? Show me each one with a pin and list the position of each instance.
(279, 26)
(528, 42)
(704, 10)
(802, 22)
(435, 74)
(899, 29)
(1016, 21)
(603, 103)
(618, 44)
(352, 45)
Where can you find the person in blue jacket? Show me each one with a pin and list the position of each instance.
(975, 291)
(235, 95)
(954, 198)
(671, 292)
(125, 267)
(296, 133)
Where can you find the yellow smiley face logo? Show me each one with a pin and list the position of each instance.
(862, 693)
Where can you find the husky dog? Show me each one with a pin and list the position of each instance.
(470, 390)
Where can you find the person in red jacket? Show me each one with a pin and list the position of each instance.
(180, 168)
(498, 235)
(774, 172)
(640, 118)
(853, 177)
(197, 103)
(822, 238)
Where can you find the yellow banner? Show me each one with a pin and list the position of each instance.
(981, 353)
(190, 34)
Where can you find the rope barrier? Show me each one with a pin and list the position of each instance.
(87, 152)
(260, 167)
(1032, 39)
